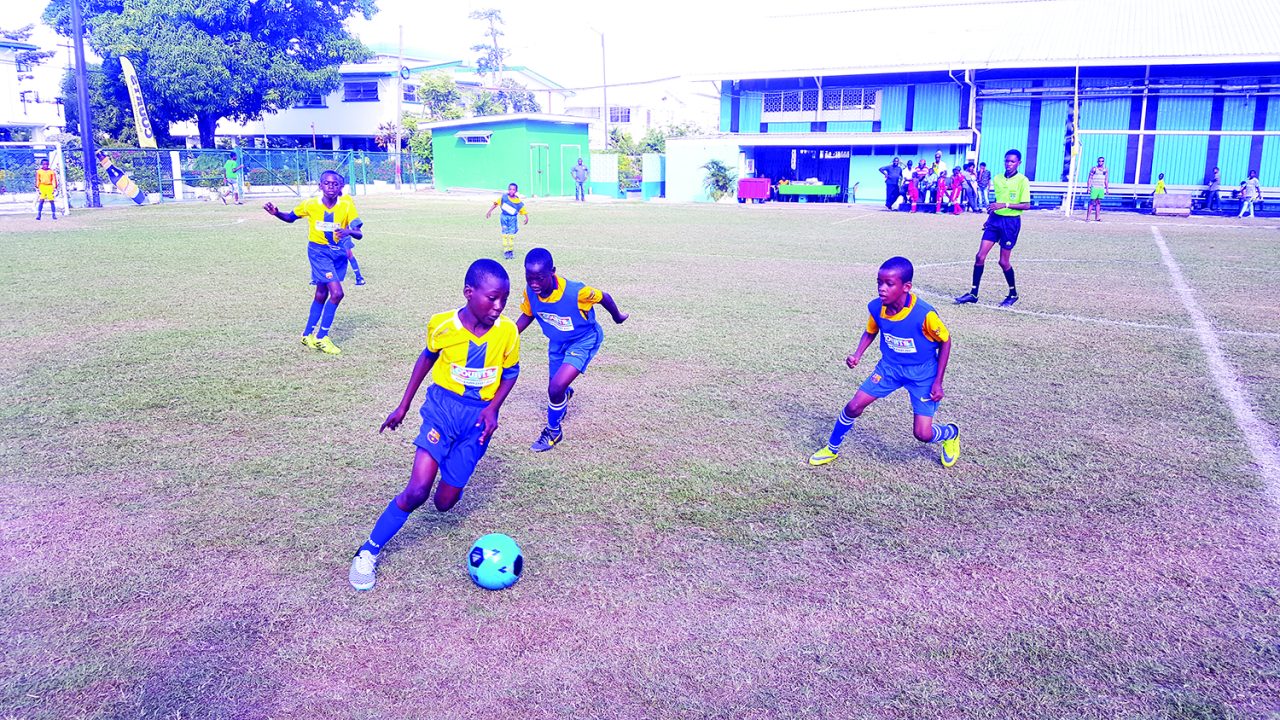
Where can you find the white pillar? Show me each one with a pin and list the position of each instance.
(178, 185)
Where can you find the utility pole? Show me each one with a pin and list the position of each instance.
(604, 89)
(400, 73)
(90, 158)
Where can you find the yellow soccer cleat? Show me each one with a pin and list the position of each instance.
(951, 449)
(309, 341)
(326, 346)
(823, 456)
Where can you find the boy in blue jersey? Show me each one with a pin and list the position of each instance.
(473, 357)
(332, 221)
(914, 349)
(566, 311)
(512, 206)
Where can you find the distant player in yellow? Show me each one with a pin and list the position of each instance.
(512, 206)
(47, 186)
(473, 357)
(332, 218)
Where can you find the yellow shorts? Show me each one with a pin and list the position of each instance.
(46, 192)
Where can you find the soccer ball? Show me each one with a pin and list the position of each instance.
(495, 562)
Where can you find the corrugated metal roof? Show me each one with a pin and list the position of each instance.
(988, 34)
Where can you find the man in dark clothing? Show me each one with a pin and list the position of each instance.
(892, 181)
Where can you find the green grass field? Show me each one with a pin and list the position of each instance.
(183, 484)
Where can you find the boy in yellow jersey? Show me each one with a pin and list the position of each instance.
(47, 186)
(332, 221)
(512, 206)
(473, 357)
(914, 349)
(1012, 193)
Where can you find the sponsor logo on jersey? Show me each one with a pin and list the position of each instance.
(559, 322)
(473, 377)
(897, 344)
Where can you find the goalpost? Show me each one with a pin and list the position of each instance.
(18, 164)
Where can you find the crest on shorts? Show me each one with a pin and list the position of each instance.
(875, 378)
(329, 275)
(433, 437)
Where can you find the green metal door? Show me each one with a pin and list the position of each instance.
(569, 155)
(539, 176)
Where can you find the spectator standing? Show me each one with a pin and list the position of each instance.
(1098, 185)
(892, 181)
(1250, 193)
(984, 186)
(580, 174)
(1211, 194)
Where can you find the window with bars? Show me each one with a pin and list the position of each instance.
(586, 112)
(410, 93)
(311, 101)
(833, 103)
(360, 91)
(619, 114)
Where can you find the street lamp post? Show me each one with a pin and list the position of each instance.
(89, 160)
(604, 89)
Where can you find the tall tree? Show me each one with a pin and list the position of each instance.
(205, 60)
(493, 57)
(440, 97)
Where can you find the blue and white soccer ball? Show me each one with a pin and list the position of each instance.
(495, 562)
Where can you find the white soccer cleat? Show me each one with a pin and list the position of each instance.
(363, 567)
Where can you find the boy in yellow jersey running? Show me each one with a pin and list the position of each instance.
(512, 206)
(914, 349)
(473, 357)
(1012, 193)
(47, 186)
(332, 219)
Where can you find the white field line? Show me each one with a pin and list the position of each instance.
(1257, 435)
(1095, 320)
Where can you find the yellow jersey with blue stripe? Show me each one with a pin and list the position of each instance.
(587, 298)
(468, 366)
(322, 221)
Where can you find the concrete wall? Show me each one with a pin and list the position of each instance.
(604, 175)
(654, 177)
(685, 158)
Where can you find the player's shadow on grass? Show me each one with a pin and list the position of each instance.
(209, 671)
(890, 441)
(426, 521)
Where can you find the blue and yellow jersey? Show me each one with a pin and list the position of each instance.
(469, 366)
(909, 337)
(324, 220)
(46, 178)
(510, 205)
(1014, 190)
(588, 297)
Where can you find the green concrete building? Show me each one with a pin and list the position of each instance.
(532, 150)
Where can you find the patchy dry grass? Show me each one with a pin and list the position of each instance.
(182, 484)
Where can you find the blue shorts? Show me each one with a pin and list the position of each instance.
(510, 224)
(328, 263)
(577, 353)
(917, 379)
(449, 434)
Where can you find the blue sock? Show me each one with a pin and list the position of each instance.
(946, 432)
(555, 412)
(844, 424)
(389, 523)
(355, 266)
(313, 318)
(326, 320)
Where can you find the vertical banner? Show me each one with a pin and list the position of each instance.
(142, 121)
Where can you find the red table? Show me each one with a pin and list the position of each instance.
(753, 188)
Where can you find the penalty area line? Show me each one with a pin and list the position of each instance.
(1256, 433)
